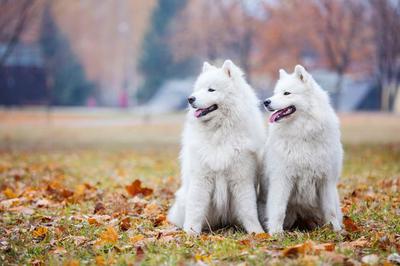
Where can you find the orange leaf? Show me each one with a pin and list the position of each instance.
(152, 210)
(71, 263)
(9, 193)
(135, 239)
(136, 188)
(100, 260)
(125, 224)
(307, 247)
(349, 224)
(92, 221)
(109, 236)
(40, 232)
(299, 249)
(262, 236)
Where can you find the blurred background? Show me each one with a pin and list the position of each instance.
(144, 55)
(97, 72)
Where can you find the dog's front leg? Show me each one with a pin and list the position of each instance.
(245, 202)
(198, 201)
(278, 197)
(331, 205)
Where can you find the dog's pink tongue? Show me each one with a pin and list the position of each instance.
(273, 117)
(198, 112)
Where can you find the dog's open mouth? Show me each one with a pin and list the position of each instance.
(278, 115)
(202, 112)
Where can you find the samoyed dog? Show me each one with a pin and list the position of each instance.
(303, 156)
(221, 156)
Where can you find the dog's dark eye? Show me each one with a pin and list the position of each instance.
(286, 93)
(211, 89)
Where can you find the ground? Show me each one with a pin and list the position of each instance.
(79, 187)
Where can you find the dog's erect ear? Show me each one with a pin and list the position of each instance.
(282, 73)
(207, 66)
(231, 70)
(301, 73)
(228, 67)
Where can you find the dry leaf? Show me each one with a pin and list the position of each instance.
(307, 247)
(136, 188)
(99, 208)
(135, 239)
(261, 236)
(40, 232)
(59, 251)
(299, 249)
(109, 236)
(71, 263)
(152, 210)
(349, 224)
(200, 257)
(100, 261)
(93, 221)
(125, 224)
(9, 193)
(359, 243)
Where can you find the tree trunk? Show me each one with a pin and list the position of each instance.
(338, 91)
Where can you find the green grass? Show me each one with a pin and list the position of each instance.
(30, 166)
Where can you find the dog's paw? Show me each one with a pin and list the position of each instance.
(336, 226)
(275, 230)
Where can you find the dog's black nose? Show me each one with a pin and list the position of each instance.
(191, 99)
(267, 102)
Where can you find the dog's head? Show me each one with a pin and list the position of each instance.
(291, 95)
(213, 90)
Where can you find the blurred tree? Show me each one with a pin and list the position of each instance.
(14, 16)
(156, 63)
(386, 24)
(66, 79)
(212, 29)
(343, 36)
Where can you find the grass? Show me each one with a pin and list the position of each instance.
(64, 201)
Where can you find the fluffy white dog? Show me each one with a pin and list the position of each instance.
(303, 156)
(221, 156)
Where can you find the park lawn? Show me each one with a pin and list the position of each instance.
(105, 204)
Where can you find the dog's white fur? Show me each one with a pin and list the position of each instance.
(303, 157)
(221, 154)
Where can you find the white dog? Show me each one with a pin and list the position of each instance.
(221, 154)
(303, 156)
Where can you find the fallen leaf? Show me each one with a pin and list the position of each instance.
(99, 208)
(203, 258)
(40, 232)
(349, 224)
(23, 210)
(71, 263)
(136, 188)
(125, 224)
(135, 239)
(109, 236)
(37, 263)
(42, 203)
(299, 249)
(261, 236)
(9, 193)
(152, 210)
(307, 247)
(100, 260)
(93, 221)
(59, 251)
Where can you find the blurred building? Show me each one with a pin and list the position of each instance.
(22, 76)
